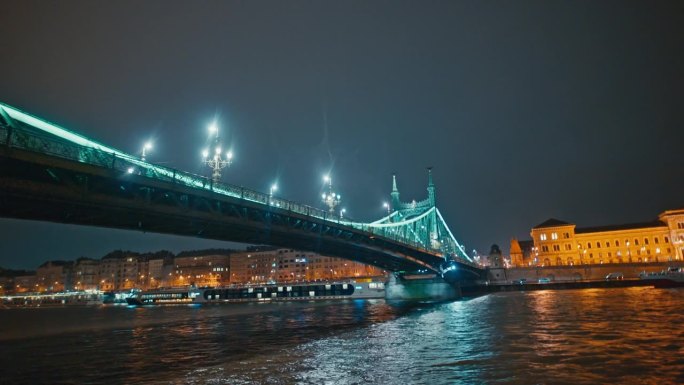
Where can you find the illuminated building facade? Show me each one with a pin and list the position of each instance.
(119, 270)
(286, 265)
(202, 270)
(85, 274)
(555, 242)
(53, 276)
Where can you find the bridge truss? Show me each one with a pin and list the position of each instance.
(417, 225)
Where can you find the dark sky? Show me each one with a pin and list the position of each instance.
(526, 109)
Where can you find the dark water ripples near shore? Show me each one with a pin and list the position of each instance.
(629, 336)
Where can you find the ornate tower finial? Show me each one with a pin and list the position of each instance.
(395, 193)
(431, 188)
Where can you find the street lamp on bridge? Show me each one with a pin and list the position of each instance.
(217, 162)
(386, 206)
(146, 147)
(330, 198)
(274, 188)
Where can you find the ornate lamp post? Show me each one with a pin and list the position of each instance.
(146, 147)
(217, 162)
(274, 188)
(330, 198)
(387, 207)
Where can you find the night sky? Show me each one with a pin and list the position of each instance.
(525, 109)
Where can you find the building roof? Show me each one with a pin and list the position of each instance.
(624, 226)
(515, 247)
(552, 222)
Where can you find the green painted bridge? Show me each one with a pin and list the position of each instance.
(49, 173)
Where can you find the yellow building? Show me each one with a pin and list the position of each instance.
(556, 242)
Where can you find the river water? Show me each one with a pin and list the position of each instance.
(594, 336)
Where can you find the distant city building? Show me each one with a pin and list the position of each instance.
(555, 242)
(119, 271)
(125, 270)
(25, 283)
(159, 272)
(286, 265)
(495, 258)
(202, 270)
(54, 276)
(86, 274)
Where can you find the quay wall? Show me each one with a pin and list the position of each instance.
(577, 272)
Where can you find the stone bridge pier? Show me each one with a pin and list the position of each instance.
(425, 287)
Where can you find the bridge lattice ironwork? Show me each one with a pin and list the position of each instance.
(417, 224)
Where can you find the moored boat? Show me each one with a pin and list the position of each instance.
(293, 292)
(163, 297)
(672, 277)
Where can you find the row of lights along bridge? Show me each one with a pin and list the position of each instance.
(217, 162)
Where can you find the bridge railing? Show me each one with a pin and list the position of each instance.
(26, 137)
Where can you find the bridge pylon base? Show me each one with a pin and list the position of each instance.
(426, 287)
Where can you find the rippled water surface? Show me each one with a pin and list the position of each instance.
(594, 336)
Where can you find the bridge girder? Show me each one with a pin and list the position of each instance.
(83, 194)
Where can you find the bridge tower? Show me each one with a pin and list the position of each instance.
(420, 223)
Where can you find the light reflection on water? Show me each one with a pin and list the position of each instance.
(542, 337)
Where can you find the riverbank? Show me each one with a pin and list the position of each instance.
(563, 285)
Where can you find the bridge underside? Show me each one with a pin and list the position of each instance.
(40, 187)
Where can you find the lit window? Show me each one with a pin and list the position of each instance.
(542, 237)
(554, 235)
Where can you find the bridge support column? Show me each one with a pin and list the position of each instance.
(420, 288)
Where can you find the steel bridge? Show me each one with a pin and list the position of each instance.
(49, 173)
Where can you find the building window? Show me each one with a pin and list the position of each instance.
(542, 237)
(645, 241)
(617, 243)
(554, 235)
(556, 248)
(607, 244)
(636, 242)
(667, 239)
(588, 245)
(566, 235)
(598, 245)
(656, 240)
(568, 247)
(545, 248)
